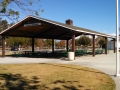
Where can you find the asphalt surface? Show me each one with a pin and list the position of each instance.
(104, 63)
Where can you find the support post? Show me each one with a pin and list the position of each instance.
(67, 45)
(114, 45)
(52, 45)
(3, 46)
(73, 44)
(106, 45)
(32, 44)
(93, 45)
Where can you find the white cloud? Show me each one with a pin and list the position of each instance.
(113, 34)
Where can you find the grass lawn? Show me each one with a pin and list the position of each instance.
(53, 77)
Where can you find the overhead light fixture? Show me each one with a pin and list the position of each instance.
(32, 24)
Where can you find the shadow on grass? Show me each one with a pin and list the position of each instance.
(68, 85)
(18, 82)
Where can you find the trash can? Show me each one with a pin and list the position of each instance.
(70, 56)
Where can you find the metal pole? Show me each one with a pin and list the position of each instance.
(117, 36)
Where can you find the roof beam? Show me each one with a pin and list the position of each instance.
(20, 36)
(45, 37)
(63, 34)
(41, 33)
(22, 31)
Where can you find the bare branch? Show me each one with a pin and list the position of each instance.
(25, 7)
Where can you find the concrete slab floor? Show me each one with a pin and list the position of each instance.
(102, 62)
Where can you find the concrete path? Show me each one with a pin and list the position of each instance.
(104, 63)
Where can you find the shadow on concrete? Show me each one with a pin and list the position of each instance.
(64, 59)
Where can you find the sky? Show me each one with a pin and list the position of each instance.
(97, 15)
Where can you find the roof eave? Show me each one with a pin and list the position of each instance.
(102, 34)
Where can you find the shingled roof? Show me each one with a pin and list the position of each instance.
(47, 29)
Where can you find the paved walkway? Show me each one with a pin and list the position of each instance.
(104, 63)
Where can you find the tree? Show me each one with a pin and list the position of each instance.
(57, 44)
(3, 24)
(62, 43)
(48, 42)
(101, 42)
(97, 40)
(15, 41)
(76, 42)
(84, 40)
(39, 43)
(14, 8)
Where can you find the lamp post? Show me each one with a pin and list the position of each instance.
(117, 37)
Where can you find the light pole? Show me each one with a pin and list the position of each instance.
(117, 37)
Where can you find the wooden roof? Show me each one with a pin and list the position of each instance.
(47, 29)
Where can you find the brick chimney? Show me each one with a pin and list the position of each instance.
(69, 22)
